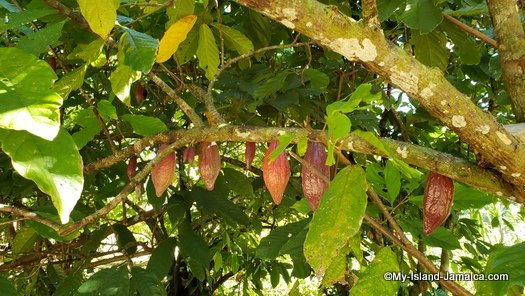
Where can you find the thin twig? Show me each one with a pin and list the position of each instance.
(471, 30)
(20, 212)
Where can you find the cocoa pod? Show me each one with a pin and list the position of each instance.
(189, 155)
(276, 173)
(163, 172)
(132, 167)
(314, 185)
(209, 163)
(139, 94)
(52, 61)
(249, 154)
(439, 195)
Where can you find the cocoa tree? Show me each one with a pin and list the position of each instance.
(105, 105)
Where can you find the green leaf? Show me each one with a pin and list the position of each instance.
(431, 49)
(18, 18)
(100, 15)
(234, 39)
(271, 245)
(271, 85)
(421, 15)
(145, 125)
(90, 127)
(146, 282)
(55, 166)
(24, 240)
(193, 246)
(188, 48)
(207, 52)
(318, 79)
(162, 257)
(440, 237)
(107, 110)
(392, 181)
(504, 260)
(125, 239)
(371, 281)
(89, 53)
(39, 41)
(469, 52)
(216, 202)
(284, 141)
(140, 50)
(466, 197)
(337, 219)
(336, 271)
(28, 103)
(388, 7)
(70, 81)
(179, 9)
(112, 281)
(373, 140)
(238, 182)
(339, 125)
(6, 287)
(121, 80)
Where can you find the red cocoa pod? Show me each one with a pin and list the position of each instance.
(209, 163)
(249, 154)
(314, 185)
(439, 195)
(163, 172)
(139, 94)
(132, 167)
(189, 155)
(52, 61)
(276, 173)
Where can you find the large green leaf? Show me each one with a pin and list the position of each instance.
(24, 240)
(431, 49)
(216, 202)
(100, 15)
(162, 257)
(39, 41)
(193, 246)
(6, 287)
(125, 239)
(271, 245)
(18, 18)
(234, 39)
(372, 282)
(387, 7)
(238, 182)
(121, 80)
(392, 181)
(70, 81)
(112, 281)
(507, 261)
(145, 125)
(422, 15)
(146, 282)
(468, 50)
(55, 166)
(337, 219)
(271, 85)
(207, 51)
(139, 49)
(28, 103)
(179, 9)
(466, 197)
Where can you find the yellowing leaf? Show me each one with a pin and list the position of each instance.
(174, 36)
(100, 15)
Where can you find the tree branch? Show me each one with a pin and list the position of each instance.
(471, 30)
(510, 35)
(428, 86)
(20, 212)
(443, 163)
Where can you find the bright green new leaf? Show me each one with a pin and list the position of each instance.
(88, 52)
(372, 282)
(28, 102)
(284, 141)
(339, 125)
(234, 39)
(100, 15)
(176, 33)
(121, 80)
(70, 81)
(337, 219)
(422, 15)
(145, 125)
(140, 50)
(207, 52)
(55, 166)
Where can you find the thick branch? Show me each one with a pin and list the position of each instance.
(446, 164)
(428, 86)
(510, 35)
